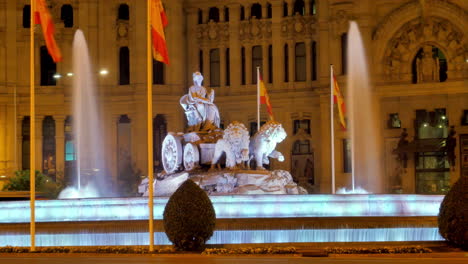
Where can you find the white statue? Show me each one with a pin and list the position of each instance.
(264, 142)
(201, 112)
(235, 143)
(427, 67)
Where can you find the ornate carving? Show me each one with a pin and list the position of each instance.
(212, 33)
(235, 143)
(264, 142)
(122, 29)
(298, 27)
(255, 29)
(427, 67)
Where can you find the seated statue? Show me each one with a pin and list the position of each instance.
(263, 143)
(427, 67)
(201, 112)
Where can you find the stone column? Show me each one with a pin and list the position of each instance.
(247, 11)
(205, 15)
(222, 69)
(248, 64)
(308, 47)
(39, 158)
(324, 46)
(206, 67)
(265, 73)
(234, 46)
(290, 7)
(307, 7)
(264, 10)
(278, 44)
(59, 145)
(222, 17)
(292, 62)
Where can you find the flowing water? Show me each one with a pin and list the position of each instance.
(91, 179)
(362, 111)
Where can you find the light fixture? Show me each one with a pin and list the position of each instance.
(440, 126)
(57, 76)
(425, 124)
(104, 72)
(70, 74)
(2, 176)
(443, 117)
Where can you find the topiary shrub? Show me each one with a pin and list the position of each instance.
(189, 217)
(453, 214)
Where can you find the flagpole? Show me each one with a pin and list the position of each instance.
(332, 130)
(150, 125)
(258, 98)
(32, 140)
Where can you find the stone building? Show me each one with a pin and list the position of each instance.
(417, 53)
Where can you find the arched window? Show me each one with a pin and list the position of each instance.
(214, 68)
(200, 16)
(299, 7)
(66, 15)
(286, 63)
(256, 11)
(25, 142)
(26, 16)
(228, 68)
(226, 14)
(124, 12)
(48, 146)
(429, 65)
(285, 9)
(269, 11)
(124, 66)
(313, 7)
(300, 61)
(242, 13)
(314, 60)
(243, 66)
(213, 14)
(344, 52)
(158, 72)
(270, 64)
(200, 60)
(257, 61)
(48, 68)
(159, 133)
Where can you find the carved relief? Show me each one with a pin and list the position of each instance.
(255, 29)
(122, 29)
(427, 67)
(413, 35)
(212, 33)
(298, 27)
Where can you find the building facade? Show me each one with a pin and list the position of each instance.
(418, 60)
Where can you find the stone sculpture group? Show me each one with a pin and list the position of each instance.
(189, 155)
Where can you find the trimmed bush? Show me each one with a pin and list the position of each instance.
(189, 217)
(453, 215)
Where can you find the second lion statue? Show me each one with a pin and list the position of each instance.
(263, 143)
(235, 143)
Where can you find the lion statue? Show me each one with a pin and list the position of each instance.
(235, 143)
(264, 142)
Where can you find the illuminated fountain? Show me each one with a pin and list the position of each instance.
(91, 179)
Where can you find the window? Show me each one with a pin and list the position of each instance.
(243, 66)
(25, 142)
(70, 153)
(124, 66)
(285, 9)
(286, 63)
(270, 64)
(200, 17)
(214, 68)
(48, 146)
(299, 7)
(314, 60)
(213, 14)
(313, 7)
(27, 16)
(301, 147)
(226, 14)
(66, 15)
(257, 60)
(242, 13)
(269, 11)
(347, 164)
(124, 12)
(158, 72)
(432, 56)
(256, 11)
(302, 125)
(159, 133)
(300, 62)
(344, 52)
(228, 68)
(48, 68)
(254, 126)
(124, 149)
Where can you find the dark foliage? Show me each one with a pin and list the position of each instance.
(453, 215)
(189, 217)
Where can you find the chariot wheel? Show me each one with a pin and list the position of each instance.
(191, 156)
(171, 152)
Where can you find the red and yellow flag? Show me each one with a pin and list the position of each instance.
(158, 23)
(42, 16)
(264, 98)
(339, 101)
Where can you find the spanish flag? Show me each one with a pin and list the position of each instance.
(158, 23)
(264, 98)
(339, 101)
(42, 16)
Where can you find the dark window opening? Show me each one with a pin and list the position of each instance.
(302, 125)
(159, 133)
(314, 61)
(200, 16)
(254, 127)
(214, 68)
(344, 53)
(25, 142)
(256, 11)
(347, 163)
(213, 14)
(48, 68)
(242, 13)
(226, 14)
(313, 7)
(124, 12)
(27, 16)
(66, 15)
(158, 72)
(200, 60)
(286, 63)
(228, 68)
(285, 9)
(270, 64)
(269, 11)
(243, 65)
(124, 66)
(300, 61)
(48, 147)
(257, 60)
(299, 7)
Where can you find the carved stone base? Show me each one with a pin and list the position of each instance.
(228, 182)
